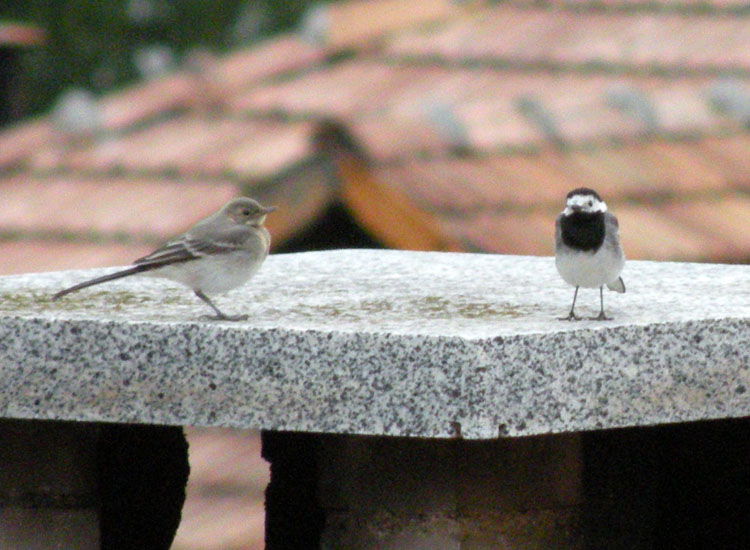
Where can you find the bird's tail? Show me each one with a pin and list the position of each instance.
(103, 279)
(617, 285)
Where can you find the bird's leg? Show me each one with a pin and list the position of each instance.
(220, 315)
(572, 316)
(601, 316)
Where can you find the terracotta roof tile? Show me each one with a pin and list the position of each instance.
(641, 170)
(524, 34)
(282, 54)
(481, 104)
(702, 5)
(506, 232)
(356, 22)
(160, 147)
(684, 109)
(20, 34)
(19, 140)
(129, 206)
(651, 171)
(147, 99)
(731, 156)
(442, 186)
(385, 138)
(35, 255)
(194, 145)
(543, 180)
(495, 182)
(221, 521)
(683, 167)
(265, 152)
(224, 506)
(335, 90)
(650, 233)
(225, 457)
(724, 219)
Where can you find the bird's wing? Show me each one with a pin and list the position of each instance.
(558, 232)
(192, 246)
(612, 229)
(611, 220)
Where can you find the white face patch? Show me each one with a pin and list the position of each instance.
(585, 203)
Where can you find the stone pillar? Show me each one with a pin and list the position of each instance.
(48, 486)
(406, 493)
(89, 486)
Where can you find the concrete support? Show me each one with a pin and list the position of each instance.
(87, 486)
(48, 486)
(683, 486)
(403, 493)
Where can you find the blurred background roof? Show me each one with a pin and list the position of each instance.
(422, 125)
(437, 125)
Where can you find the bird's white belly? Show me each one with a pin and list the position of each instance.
(212, 274)
(589, 270)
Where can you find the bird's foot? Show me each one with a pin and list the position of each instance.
(601, 317)
(571, 317)
(223, 317)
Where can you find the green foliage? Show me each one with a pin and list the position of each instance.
(93, 43)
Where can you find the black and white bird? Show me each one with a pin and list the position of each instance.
(587, 247)
(216, 255)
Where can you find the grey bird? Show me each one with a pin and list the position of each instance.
(587, 247)
(217, 254)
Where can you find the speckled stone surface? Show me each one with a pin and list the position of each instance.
(383, 342)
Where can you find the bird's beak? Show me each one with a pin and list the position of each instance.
(268, 209)
(576, 208)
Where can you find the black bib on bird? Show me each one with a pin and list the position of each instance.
(583, 230)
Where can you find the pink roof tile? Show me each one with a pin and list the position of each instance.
(683, 167)
(221, 521)
(483, 102)
(34, 255)
(385, 138)
(334, 90)
(356, 23)
(224, 505)
(541, 178)
(683, 108)
(19, 140)
(146, 208)
(20, 34)
(219, 78)
(275, 56)
(650, 233)
(266, 151)
(730, 155)
(192, 146)
(651, 4)
(435, 185)
(224, 457)
(506, 232)
(147, 99)
(724, 219)
(640, 170)
(539, 34)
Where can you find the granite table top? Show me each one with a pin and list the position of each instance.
(422, 344)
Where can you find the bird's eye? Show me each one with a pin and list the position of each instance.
(591, 203)
(246, 212)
